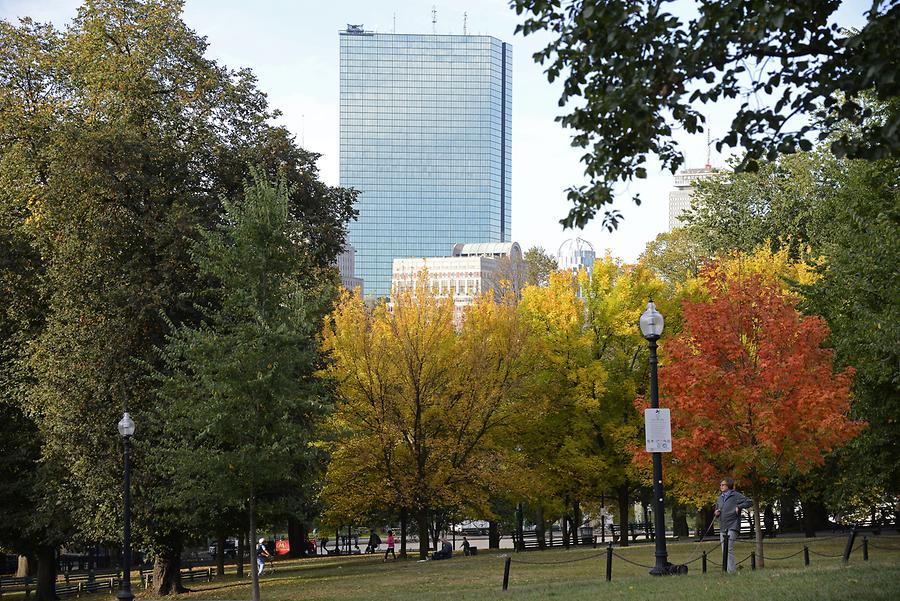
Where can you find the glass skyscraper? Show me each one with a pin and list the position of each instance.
(425, 138)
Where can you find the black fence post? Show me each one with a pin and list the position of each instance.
(849, 547)
(703, 563)
(752, 560)
(609, 562)
(805, 555)
(865, 548)
(725, 551)
(506, 573)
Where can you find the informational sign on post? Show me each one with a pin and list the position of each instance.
(658, 430)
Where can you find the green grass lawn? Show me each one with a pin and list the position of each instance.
(576, 575)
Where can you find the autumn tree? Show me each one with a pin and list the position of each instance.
(556, 438)
(615, 296)
(752, 391)
(419, 403)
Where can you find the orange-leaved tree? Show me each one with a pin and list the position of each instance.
(752, 391)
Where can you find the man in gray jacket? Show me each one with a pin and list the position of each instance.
(728, 510)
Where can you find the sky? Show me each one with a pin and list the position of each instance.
(292, 47)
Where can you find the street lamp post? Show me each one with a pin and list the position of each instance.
(126, 430)
(651, 328)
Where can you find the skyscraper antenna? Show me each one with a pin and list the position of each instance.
(465, 23)
(395, 24)
(433, 18)
(708, 149)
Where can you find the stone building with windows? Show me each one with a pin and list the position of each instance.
(471, 269)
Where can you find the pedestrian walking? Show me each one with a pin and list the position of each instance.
(728, 510)
(390, 545)
(261, 554)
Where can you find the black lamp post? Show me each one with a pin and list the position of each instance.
(126, 430)
(651, 328)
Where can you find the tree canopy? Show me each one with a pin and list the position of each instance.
(753, 392)
(634, 70)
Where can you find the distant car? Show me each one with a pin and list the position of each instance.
(472, 527)
(230, 548)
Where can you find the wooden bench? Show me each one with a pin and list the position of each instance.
(88, 582)
(187, 574)
(16, 584)
(530, 541)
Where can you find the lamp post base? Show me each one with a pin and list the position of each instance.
(125, 596)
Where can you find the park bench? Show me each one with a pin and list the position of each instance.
(530, 541)
(634, 529)
(77, 583)
(187, 574)
(16, 584)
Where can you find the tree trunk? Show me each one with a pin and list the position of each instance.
(576, 522)
(422, 519)
(493, 535)
(814, 516)
(760, 556)
(220, 552)
(241, 546)
(297, 536)
(705, 520)
(788, 521)
(622, 500)
(679, 520)
(167, 573)
(46, 573)
(540, 526)
(404, 518)
(769, 521)
(565, 522)
(520, 526)
(254, 572)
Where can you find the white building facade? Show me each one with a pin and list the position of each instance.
(680, 196)
(471, 270)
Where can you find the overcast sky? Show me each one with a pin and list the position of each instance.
(292, 46)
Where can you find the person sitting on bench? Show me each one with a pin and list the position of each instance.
(446, 551)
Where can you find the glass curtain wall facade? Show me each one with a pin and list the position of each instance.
(425, 138)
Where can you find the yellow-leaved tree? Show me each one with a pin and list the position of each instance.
(556, 440)
(421, 405)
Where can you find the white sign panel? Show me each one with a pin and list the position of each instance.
(658, 430)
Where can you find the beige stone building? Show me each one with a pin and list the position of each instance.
(470, 270)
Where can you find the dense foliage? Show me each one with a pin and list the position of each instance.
(635, 71)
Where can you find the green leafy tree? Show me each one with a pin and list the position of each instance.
(634, 71)
(779, 205)
(538, 266)
(240, 397)
(119, 140)
(674, 256)
(856, 295)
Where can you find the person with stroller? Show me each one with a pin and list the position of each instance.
(374, 542)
